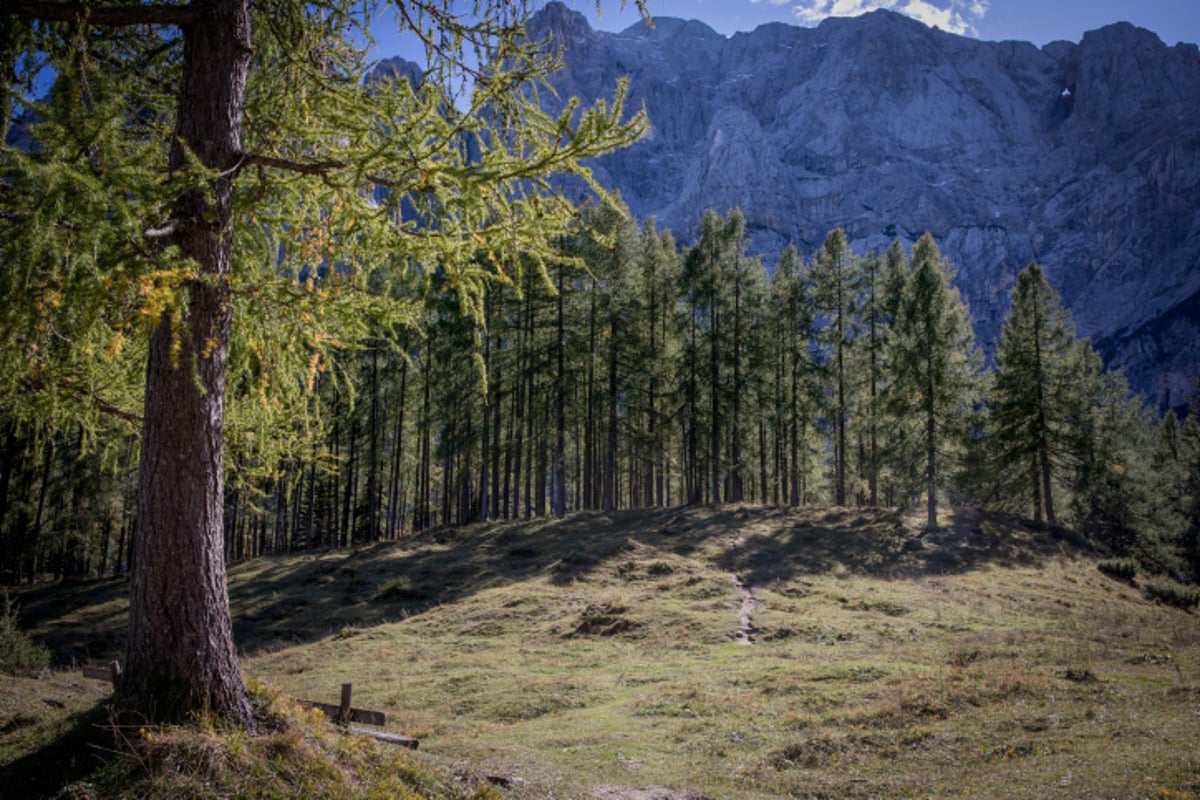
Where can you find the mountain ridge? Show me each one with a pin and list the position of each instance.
(1083, 156)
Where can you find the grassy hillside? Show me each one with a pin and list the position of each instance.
(732, 653)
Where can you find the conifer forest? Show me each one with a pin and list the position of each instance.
(631, 372)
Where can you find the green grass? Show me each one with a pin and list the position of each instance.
(596, 655)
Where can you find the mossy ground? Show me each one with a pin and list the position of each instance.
(596, 655)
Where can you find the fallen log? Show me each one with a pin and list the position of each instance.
(383, 736)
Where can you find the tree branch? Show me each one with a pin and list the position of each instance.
(114, 16)
(321, 168)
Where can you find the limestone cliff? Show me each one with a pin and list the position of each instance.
(1084, 156)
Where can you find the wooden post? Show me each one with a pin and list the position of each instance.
(344, 712)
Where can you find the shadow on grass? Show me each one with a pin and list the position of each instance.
(81, 621)
(883, 544)
(282, 601)
(75, 752)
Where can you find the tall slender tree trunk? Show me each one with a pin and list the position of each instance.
(714, 383)
(589, 435)
(371, 523)
(1036, 481)
(794, 461)
(520, 411)
(1043, 449)
(39, 517)
(8, 451)
(735, 478)
(558, 472)
(395, 503)
(529, 408)
(692, 470)
(514, 394)
(488, 400)
(930, 448)
(310, 505)
(497, 424)
(610, 450)
(873, 456)
(653, 447)
(180, 656)
(1046, 490)
(763, 482)
(424, 513)
(840, 454)
(347, 529)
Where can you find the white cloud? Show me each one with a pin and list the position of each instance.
(955, 16)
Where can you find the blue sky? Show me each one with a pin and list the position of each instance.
(1037, 21)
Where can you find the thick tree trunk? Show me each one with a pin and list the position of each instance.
(180, 657)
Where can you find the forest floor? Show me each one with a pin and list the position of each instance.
(739, 652)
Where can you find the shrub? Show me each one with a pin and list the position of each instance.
(1124, 569)
(1172, 593)
(19, 655)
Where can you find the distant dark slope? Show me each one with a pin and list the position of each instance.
(1084, 156)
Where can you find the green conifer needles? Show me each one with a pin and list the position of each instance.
(348, 196)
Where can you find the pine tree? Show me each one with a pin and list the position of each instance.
(1189, 451)
(1036, 390)
(710, 283)
(836, 280)
(796, 376)
(934, 362)
(1110, 453)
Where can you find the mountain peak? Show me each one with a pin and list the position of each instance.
(671, 28)
(1082, 157)
(556, 20)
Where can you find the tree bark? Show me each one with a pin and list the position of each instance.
(180, 657)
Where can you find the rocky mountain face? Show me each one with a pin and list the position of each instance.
(1085, 157)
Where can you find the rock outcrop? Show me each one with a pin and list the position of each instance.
(1084, 156)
